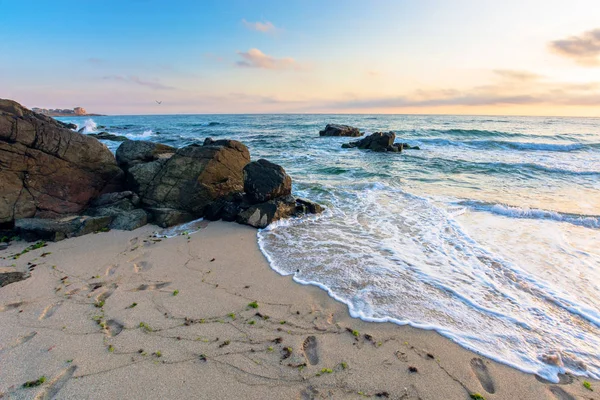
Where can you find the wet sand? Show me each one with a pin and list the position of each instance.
(127, 315)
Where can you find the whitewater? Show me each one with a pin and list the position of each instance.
(489, 234)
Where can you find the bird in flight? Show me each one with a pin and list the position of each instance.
(158, 102)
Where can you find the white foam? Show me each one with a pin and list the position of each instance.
(89, 126)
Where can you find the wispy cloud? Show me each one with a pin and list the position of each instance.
(517, 88)
(138, 81)
(583, 49)
(516, 75)
(254, 58)
(264, 27)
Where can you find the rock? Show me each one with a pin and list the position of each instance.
(11, 275)
(133, 152)
(32, 229)
(48, 170)
(264, 181)
(67, 125)
(109, 136)
(263, 214)
(166, 217)
(304, 206)
(112, 198)
(407, 146)
(140, 176)
(3, 246)
(194, 177)
(130, 220)
(340, 130)
(378, 141)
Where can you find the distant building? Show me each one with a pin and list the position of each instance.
(79, 111)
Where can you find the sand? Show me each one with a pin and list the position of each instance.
(126, 315)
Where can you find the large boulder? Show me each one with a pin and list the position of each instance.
(264, 181)
(193, 177)
(121, 207)
(134, 152)
(378, 141)
(340, 130)
(47, 170)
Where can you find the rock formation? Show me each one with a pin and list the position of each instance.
(380, 142)
(47, 170)
(340, 130)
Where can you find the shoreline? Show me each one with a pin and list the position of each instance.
(194, 295)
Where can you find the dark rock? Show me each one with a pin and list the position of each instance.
(112, 198)
(67, 125)
(166, 217)
(48, 170)
(194, 177)
(407, 146)
(263, 214)
(264, 181)
(340, 130)
(10, 275)
(32, 229)
(109, 136)
(128, 221)
(133, 152)
(140, 176)
(304, 206)
(378, 141)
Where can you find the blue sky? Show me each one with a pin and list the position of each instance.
(464, 56)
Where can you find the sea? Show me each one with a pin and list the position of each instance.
(489, 234)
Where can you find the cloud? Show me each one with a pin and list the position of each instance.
(254, 58)
(517, 75)
(583, 49)
(264, 27)
(138, 81)
(530, 91)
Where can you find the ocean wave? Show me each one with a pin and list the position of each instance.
(588, 221)
(521, 146)
(89, 126)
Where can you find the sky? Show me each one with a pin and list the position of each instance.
(509, 57)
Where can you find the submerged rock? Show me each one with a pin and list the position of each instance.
(340, 130)
(47, 169)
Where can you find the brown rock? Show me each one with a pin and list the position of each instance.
(264, 181)
(46, 169)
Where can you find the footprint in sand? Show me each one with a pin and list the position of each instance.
(563, 379)
(560, 394)
(310, 393)
(141, 266)
(55, 385)
(11, 306)
(153, 286)
(114, 327)
(111, 270)
(49, 311)
(483, 374)
(310, 350)
(19, 341)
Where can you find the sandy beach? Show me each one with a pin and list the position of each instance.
(129, 315)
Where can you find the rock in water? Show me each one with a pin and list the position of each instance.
(192, 178)
(48, 170)
(261, 215)
(264, 181)
(109, 136)
(340, 130)
(378, 141)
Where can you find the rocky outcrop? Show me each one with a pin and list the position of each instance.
(264, 181)
(340, 130)
(121, 207)
(378, 141)
(47, 170)
(193, 177)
